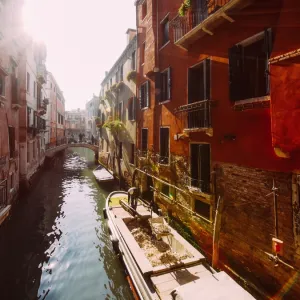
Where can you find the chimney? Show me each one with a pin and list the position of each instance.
(130, 34)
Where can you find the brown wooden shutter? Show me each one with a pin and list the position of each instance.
(147, 94)
(235, 72)
(207, 79)
(169, 82)
(268, 46)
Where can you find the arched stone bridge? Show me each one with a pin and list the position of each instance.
(52, 151)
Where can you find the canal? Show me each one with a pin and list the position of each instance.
(56, 244)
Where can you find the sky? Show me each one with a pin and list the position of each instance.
(83, 39)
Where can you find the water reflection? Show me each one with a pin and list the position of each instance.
(64, 250)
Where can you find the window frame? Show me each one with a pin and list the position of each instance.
(133, 60)
(168, 92)
(28, 82)
(142, 140)
(236, 77)
(132, 150)
(132, 108)
(143, 51)
(165, 21)
(3, 79)
(144, 95)
(161, 162)
(199, 175)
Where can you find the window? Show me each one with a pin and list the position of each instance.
(144, 9)
(120, 111)
(131, 154)
(248, 67)
(143, 50)
(51, 86)
(199, 89)
(165, 81)
(165, 31)
(12, 181)
(133, 60)
(144, 141)
(164, 145)
(121, 73)
(33, 149)
(131, 108)
(200, 167)
(120, 150)
(34, 89)
(202, 208)
(110, 82)
(117, 76)
(2, 85)
(107, 145)
(28, 153)
(199, 82)
(165, 189)
(12, 137)
(144, 94)
(28, 83)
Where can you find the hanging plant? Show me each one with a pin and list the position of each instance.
(98, 120)
(114, 126)
(185, 6)
(114, 88)
(120, 85)
(108, 95)
(131, 76)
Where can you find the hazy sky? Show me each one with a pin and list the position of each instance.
(83, 38)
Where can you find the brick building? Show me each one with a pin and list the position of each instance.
(10, 93)
(75, 124)
(218, 119)
(55, 113)
(32, 114)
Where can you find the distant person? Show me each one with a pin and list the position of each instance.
(93, 140)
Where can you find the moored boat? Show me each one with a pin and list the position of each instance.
(161, 263)
(103, 175)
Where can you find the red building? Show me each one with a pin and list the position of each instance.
(219, 120)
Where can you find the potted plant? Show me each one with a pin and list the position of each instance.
(132, 76)
(184, 8)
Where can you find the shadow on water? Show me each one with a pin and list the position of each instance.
(56, 245)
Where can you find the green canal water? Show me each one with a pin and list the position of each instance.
(56, 244)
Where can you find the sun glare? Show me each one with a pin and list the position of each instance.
(33, 19)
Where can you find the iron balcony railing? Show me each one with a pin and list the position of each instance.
(196, 15)
(3, 194)
(198, 114)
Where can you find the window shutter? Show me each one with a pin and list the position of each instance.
(207, 79)
(235, 72)
(169, 84)
(133, 108)
(140, 97)
(268, 45)
(158, 86)
(147, 94)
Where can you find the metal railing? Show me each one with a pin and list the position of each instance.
(3, 193)
(183, 25)
(198, 114)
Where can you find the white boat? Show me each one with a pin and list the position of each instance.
(161, 264)
(103, 175)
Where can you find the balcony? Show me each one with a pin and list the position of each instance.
(198, 116)
(203, 18)
(42, 73)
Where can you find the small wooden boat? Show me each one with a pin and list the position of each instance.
(103, 175)
(161, 264)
